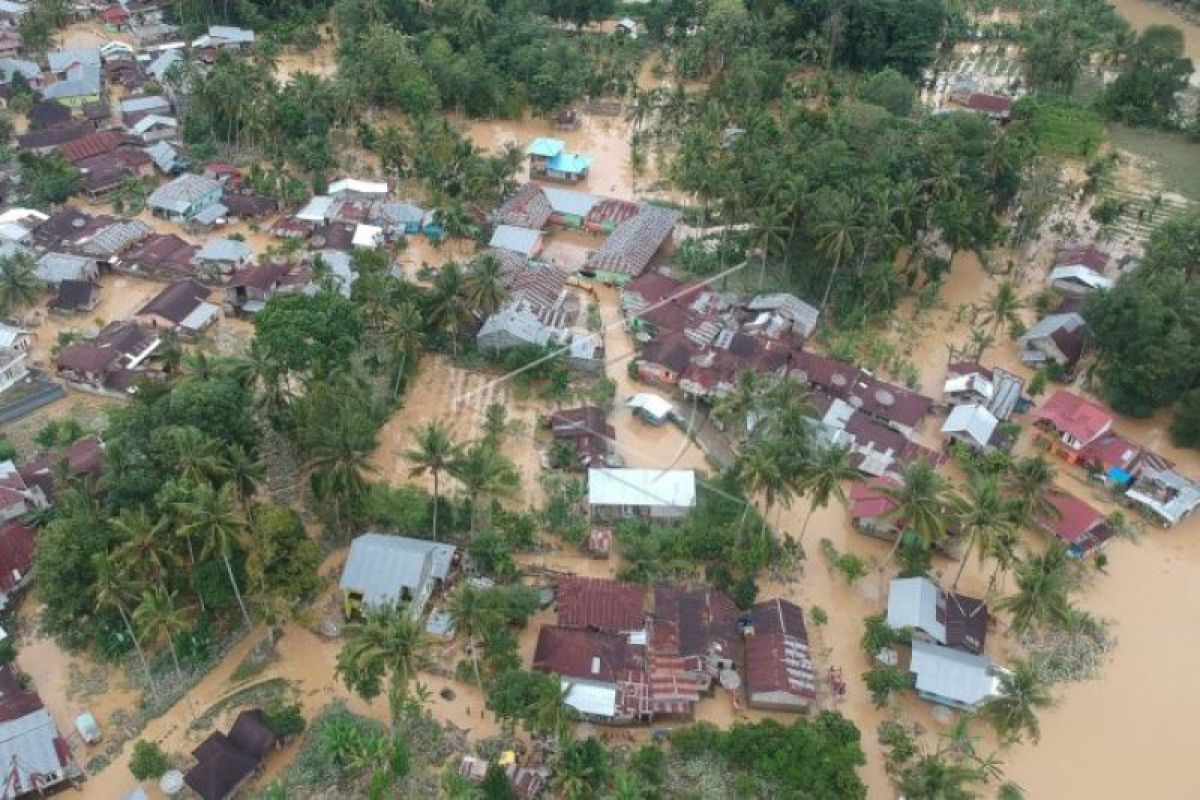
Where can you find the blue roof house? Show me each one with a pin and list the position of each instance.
(549, 160)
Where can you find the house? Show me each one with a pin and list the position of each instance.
(1164, 494)
(103, 175)
(110, 359)
(106, 244)
(75, 296)
(700, 624)
(994, 106)
(514, 325)
(951, 677)
(45, 114)
(54, 268)
(183, 307)
(586, 352)
(134, 109)
(82, 84)
(658, 494)
(251, 287)
(401, 218)
(549, 160)
(524, 241)
(244, 205)
(37, 757)
(66, 228)
(779, 671)
(352, 187)
(183, 198)
(13, 338)
(1080, 527)
(632, 245)
(219, 258)
(529, 207)
(385, 570)
(160, 256)
(651, 408)
(997, 389)
(568, 208)
(115, 18)
(14, 366)
(876, 449)
(974, 427)
(225, 37)
(225, 763)
(600, 604)
(82, 461)
(1074, 421)
(1058, 338)
(602, 674)
(166, 158)
(94, 144)
(936, 615)
(894, 406)
(587, 432)
(1077, 279)
(162, 64)
(16, 560)
(800, 315)
(155, 127)
(61, 62)
(872, 509)
(333, 269)
(1115, 459)
(16, 497)
(49, 139)
(665, 359)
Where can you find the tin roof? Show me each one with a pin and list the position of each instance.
(380, 566)
(600, 603)
(644, 488)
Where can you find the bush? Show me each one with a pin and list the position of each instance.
(1185, 425)
(148, 762)
(8, 652)
(285, 721)
(882, 681)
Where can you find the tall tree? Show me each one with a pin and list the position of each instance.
(212, 517)
(402, 328)
(473, 618)
(1013, 712)
(823, 477)
(982, 515)
(435, 451)
(1044, 585)
(483, 285)
(389, 645)
(486, 474)
(113, 590)
(19, 283)
(921, 504)
(162, 621)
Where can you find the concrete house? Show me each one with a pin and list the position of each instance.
(514, 325)
(657, 494)
(185, 197)
(385, 570)
(1164, 494)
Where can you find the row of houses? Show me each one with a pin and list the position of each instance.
(625, 655)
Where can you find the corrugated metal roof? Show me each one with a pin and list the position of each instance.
(224, 250)
(912, 603)
(648, 488)
(974, 421)
(566, 201)
(518, 240)
(545, 147)
(380, 566)
(28, 748)
(945, 673)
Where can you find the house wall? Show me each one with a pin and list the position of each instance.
(13, 373)
(778, 701)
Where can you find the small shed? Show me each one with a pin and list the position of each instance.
(651, 407)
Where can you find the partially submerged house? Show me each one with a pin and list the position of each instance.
(182, 307)
(802, 316)
(526, 242)
(160, 256)
(1079, 526)
(633, 244)
(586, 431)
(1072, 424)
(37, 758)
(385, 570)
(183, 198)
(873, 511)
(601, 604)
(602, 674)
(54, 268)
(110, 360)
(1078, 271)
(1164, 494)
(779, 672)
(226, 763)
(549, 160)
(657, 494)
(996, 389)
(17, 498)
(937, 615)
(220, 258)
(974, 427)
(16, 560)
(82, 461)
(515, 325)
(952, 677)
(1059, 338)
(896, 407)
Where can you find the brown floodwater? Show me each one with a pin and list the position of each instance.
(1141, 14)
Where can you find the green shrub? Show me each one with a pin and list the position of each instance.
(148, 762)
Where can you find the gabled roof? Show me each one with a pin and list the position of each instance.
(221, 768)
(380, 566)
(642, 488)
(16, 553)
(54, 137)
(55, 267)
(973, 421)
(868, 501)
(62, 60)
(518, 240)
(231, 250)
(951, 619)
(1075, 416)
(164, 155)
(1075, 518)
(178, 301)
(528, 208)
(116, 238)
(570, 202)
(600, 603)
(1089, 257)
(801, 314)
(152, 121)
(178, 195)
(1081, 275)
(633, 244)
(83, 81)
(590, 655)
(356, 186)
(151, 103)
(159, 67)
(962, 678)
(93, 145)
(777, 654)
(545, 147)
(693, 623)
(74, 295)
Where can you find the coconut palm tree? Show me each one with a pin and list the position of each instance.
(485, 474)
(1031, 482)
(769, 233)
(161, 621)
(1013, 712)
(338, 460)
(435, 451)
(402, 330)
(198, 458)
(1044, 586)
(982, 516)
(212, 517)
(448, 309)
(112, 589)
(1003, 306)
(483, 285)
(823, 478)
(244, 471)
(837, 236)
(921, 504)
(19, 283)
(473, 617)
(762, 467)
(736, 409)
(143, 546)
(388, 644)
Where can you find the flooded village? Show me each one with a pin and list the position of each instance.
(496, 437)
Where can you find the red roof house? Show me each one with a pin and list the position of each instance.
(16, 558)
(1079, 526)
(870, 505)
(779, 669)
(1077, 421)
(601, 604)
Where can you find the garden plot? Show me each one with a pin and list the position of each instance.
(1146, 202)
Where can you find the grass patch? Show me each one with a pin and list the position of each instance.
(262, 693)
(1060, 127)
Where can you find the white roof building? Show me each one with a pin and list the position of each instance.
(802, 316)
(316, 209)
(355, 186)
(525, 241)
(1078, 279)
(952, 677)
(651, 406)
(972, 422)
(367, 236)
(389, 570)
(661, 493)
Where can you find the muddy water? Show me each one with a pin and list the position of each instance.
(1141, 14)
